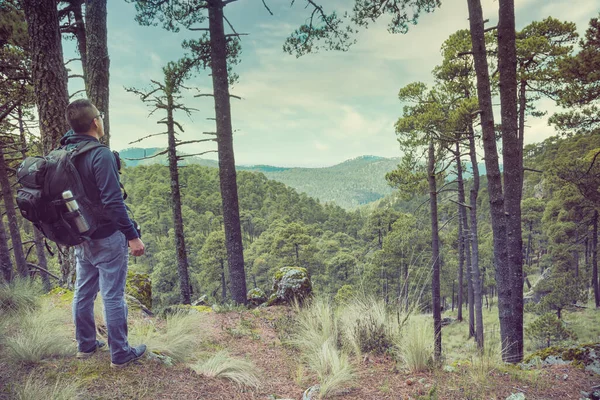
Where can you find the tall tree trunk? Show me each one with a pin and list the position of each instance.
(49, 80)
(496, 197)
(227, 174)
(512, 154)
(182, 260)
(461, 240)
(223, 283)
(5, 261)
(595, 259)
(38, 237)
(97, 60)
(465, 242)
(47, 70)
(435, 255)
(11, 215)
(80, 34)
(476, 275)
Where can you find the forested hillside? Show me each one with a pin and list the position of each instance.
(350, 184)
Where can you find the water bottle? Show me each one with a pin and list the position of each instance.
(71, 203)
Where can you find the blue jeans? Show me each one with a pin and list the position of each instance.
(102, 265)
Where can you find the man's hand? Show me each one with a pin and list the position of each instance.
(136, 247)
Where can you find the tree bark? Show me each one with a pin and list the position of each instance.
(495, 190)
(595, 259)
(435, 255)
(5, 261)
(11, 215)
(476, 275)
(461, 240)
(97, 60)
(47, 69)
(182, 260)
(227, 173)
(512, 154)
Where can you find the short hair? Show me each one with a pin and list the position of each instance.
(80, 114)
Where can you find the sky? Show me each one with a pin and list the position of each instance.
(317, 110)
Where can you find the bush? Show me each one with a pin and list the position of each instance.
(32, 336)
(548, 329)
(177, 339)
(221, 365)
(367, 325)
(415, 346)
(19, 295)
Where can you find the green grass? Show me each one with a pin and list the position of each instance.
(32, 336)
(221, 365)
(19, 295)
(415, 346)
(35, 388)
(178, 339)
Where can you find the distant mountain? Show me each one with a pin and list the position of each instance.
(350, 184)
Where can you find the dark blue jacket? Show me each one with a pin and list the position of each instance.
(100, 177)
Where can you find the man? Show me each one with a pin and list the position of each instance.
(102, 260)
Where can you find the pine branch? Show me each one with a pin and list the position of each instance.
(194, 141)
(197, 154)
(149, 136)
(149, 157)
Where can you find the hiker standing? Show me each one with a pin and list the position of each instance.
(101, 260)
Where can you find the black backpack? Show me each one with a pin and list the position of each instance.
(43, 201)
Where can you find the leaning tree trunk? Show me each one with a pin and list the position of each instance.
(595, 259)
(182, 260)
(227, 174)
(496, 197)
(97, 60)
(435, 255)
(11, 215)
(512, 154)
(476, 274)
(5, 261)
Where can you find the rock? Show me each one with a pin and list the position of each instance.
(516, 396)
(202, 301)
(447, 321)
(585, 356)
(290, 283)
(139, 286)
(134, 304)
(256, 296)
(312, 393)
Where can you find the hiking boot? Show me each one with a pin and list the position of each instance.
(135, 354)
(87, 354)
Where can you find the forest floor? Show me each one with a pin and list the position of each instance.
(260, 337)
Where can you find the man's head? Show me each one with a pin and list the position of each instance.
(84, 118)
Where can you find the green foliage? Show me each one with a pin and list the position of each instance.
(221, 365)
(344, 295)
(548, 330)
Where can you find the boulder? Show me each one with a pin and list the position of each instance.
(256, 296)
(139, 286)
(290, 283)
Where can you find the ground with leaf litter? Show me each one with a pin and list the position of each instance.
(260, 336)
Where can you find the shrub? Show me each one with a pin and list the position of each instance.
(415, 346)
(221, 365)
(332, 368)
(548, 329)
(33, 336)
(177, 339)
(19, 295)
